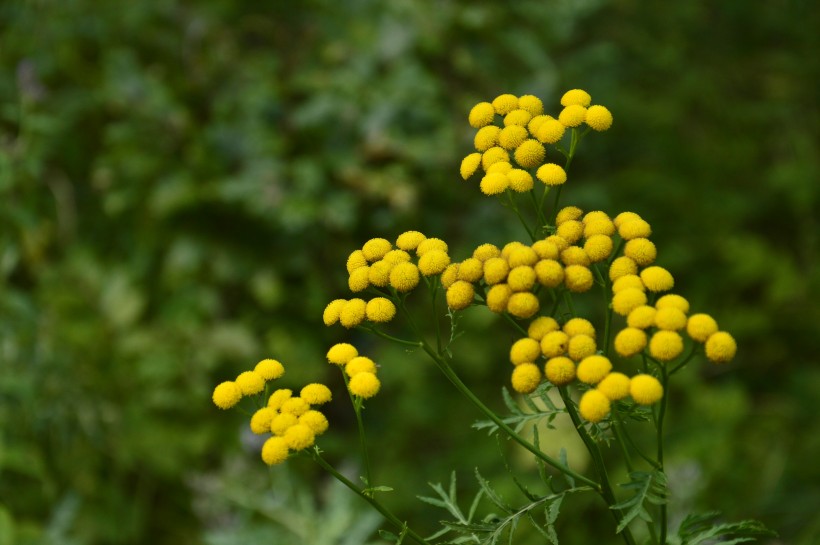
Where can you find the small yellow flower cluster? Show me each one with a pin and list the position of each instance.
(248, 383)
(360, 370)
(518, 126)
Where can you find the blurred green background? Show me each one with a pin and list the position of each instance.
(181, 182)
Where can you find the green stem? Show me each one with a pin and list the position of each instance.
(402, 527)
(542, 221)
(514, 207)
(608, 323)
(688, 357)
(357, 408)
(384, 335)
(568, 300)
(661, 415)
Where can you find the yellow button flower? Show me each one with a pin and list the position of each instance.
(520, 180)
(282, 422)
(486, 138)
(409, 240)
(494, 184)
(549, 273)
(598, 247)
(645, 389)
(581, 346)
(430, 244)
(497, 297)
(641, 250)
(530, 153)
(331, 313)
(269, 369)
(525, 350)
(540, 327)
(572, 116)
(521, 278)
(341, 353)
(517, 117)
(657, 279)
(700, 327)
(614, 386)
(250, 382)
(642, 317)
(495, 270)
(526, 378)
(625, 301)
(460, 295)
(665, 345)
(379, 273)
(278, 397)
(433, 262)
(353, 313)
(630, 341)
(551, 174)
(624, 217)
(314, 420)
(226, 395)
(550, 131)
(593, 369)
(358, 279)
(469, 165)
(486, 251)
(554, 344)
(274, 451)
(261, 419)
(622, 266)
(673, 300)
(360, 364)
(375, 248)
(670, 319)
(504, 104)
(404, 277)
(380, 310)
(578, 278)
(511, 137)
(298, 437)
(470, 270)
(721, 347)
(598, 118)
(568, 213)
(576, 96)
(355, 260)
(579, 326)
(531, 103)
(628, 281)
(316, 394)
(494, 155)
(560, 370)
(634, 228)
(571, 231)
(575, 255)
(481, 114)
(594, 406)
(364, 385)
(545, 249)
(295, 406)
(523, 305)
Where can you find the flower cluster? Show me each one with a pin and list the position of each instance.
(359, 370)
(248, 383)
(515, 129)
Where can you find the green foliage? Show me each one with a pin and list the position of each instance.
(698, 529)
(649, 487)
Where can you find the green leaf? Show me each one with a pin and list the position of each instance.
(491, 494)
(649, 487)
(697, 529)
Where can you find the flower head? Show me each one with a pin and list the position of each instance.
(250, 382)
(504, 104)
(498, 297)
(341, 353)
(261, 419)
(581, 346)
(299, 436)
(665, 345)
(226, 395)
(522, 304)
(314, 420)
(630, 341)
(486, 138)
(594, 406)
(541, 326)
(549, 273)
(364, 385)
(572, 115)
(481, 114)
(598, 118)
(433, 262)
(531, 103)
(525, 378)
(593, 369)
(576, 96)
(409, 240)
(375, 248)
(331, 313)
(469, 165)
(525, 350)
(380, 310)
(278, 397)
(274, 451)
(645, 389)
(721, 347)
(316, 394)
(700, 327)
(551, 174)
(530, 153)
(404, 277)
(353, 313)
(657, 279)
(578, 278)
(614, 386)
(360, 364)
(460, 295)
(560, 370)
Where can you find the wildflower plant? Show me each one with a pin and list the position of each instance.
(612, 378)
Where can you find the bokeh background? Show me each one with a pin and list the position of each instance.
(181, 182)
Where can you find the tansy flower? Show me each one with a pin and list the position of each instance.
(494, 155)
(568, 213)
(530, 153)
(469, 165)
(521, 278)
(331, 313)
(520, 180)
(614, 386)
(501, 167)
(525, 378)
(295, 406)
(314, 420)
(593, 369)
(282, 422)
(486, 138)
(630, 341)
(550, 131)
(536, 122)
(360, 364)
(627, 281)
(278, 397)
(549, 273)
(571, 231)
(670, 319)
(430, 244)
(576, 96)
(540, 327)
(622, 266)
(511, 137)
(624, 217)
(460, 295)
(495, 270)
(522, 255)
(560, 370)
(525, 350)
(494, 184)
(353, 313)
(486, 251)
(657, 279)
(481, 114)
(575, 255)
(299, 436)
(642, 317)
(581, 346)
(579, 326)
(504, 104)
(498, 297)
(379, 273)
(545, 249)
(269, 369)
(450, 275)
(634, 228)
(594, 406)
(404, 277)
(509, 247)
(645, 389)
(341, 353)
(598, 118)
(578, 278)
(531, 103)
(572, 115)
(409, 240)
(316, 394)
(355, 260)
(641, 250)
(598, 247)
(700, 327)
(554, 344)
(394, 257)
(250, 382)
(673, 300)
(595, 216)
(226, 395)
(433, 262)
(560, 242)
(274, 451)
(358, 279)
(625, 301)
(380, 310)
(721, 347)
(522, 304)
(598, 226)
(551, 174)
(375, 248)
(665, 345)
(517, 117)
(261, 419)
(364, 385)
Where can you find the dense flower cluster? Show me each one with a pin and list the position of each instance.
(515, 131)
(360, 370)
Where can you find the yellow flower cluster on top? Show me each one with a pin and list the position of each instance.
(515, 129)
(359, 370)
(292, 421)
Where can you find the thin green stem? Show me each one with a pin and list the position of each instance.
(542, 221)
(554, 212)
(608, 323)
(514, 207)
(384, 335)
(620, 434)
(661, 415)
(688, 357)
(568, 301)
(357, 408)
(433, 296)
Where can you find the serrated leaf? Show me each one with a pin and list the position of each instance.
(697, 529)
(491, 494)
(648, 486)
(562, 457)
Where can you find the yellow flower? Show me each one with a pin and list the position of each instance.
(670, 319)
(536, 122)
(261, 419)
(282, 422)
(571, 231)
(316, 394)
(522, 304)
(298, 437)
(624, 217)
(641, 250)
(430, 244)
(598, 118)
(314, 420)
(602, 226)
(700, 327)
(504, 104)
(579, 326)
(509, 247)
(525, 350)
(493, 184)
(353, 313)
(594, 406)
(560, 242)
(501, 167)
(494, 155)
(641, 317)
(358, 279)
(634, 228)
(341, 353)
(486, 137)
(540, 327)
(531, 103)
(460, 295)
(627, 281)
(486, 251)
(394, 257)
(581, 346)
(573, 115)
(622, 266)
(593, 369)
(560, 370)
(598, 247)
(568, 213)
(657, 279)
(522, 255)
(578, 278)
(404, 277)
(433, 262)
(481, 114)
(511, 137)
(278, 397)
(379, 273)
(554, 344)
(497, 297)
(469, 165)
(665, 345)
(250, 382)
(450, 275)
(495, 270)
(375, 248)
(521, 278)
(595, 216)
(625, 301)
(364, 385)
(409, 240)
(673, 300)
(295, 406)
(530, 154)
(331, 313)
(360, 364)
(576, 96)
(355, 260)
(517, 117)
(551, 174)
(274, 451)
(645, 389)
(520, 180)
(545, 249)
(226, 395)
(525, 378)
(720, 347)
(550, 131)
(614, 386)
(630, 341)
(575, 255)
(380, 310)
(269, 369)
